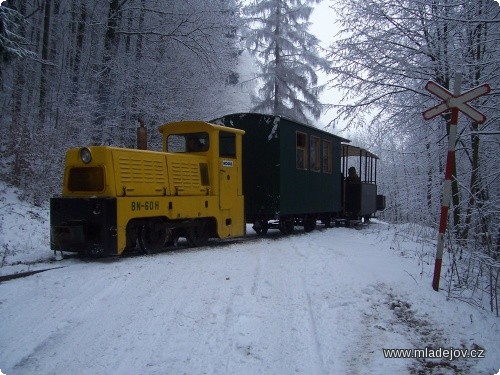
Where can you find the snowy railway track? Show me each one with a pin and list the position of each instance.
(77, 258)
(182, 247)
(19, 275)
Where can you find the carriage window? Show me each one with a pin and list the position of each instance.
(301, 146)
(327, 157)
(315, 154)
(192, 142)
(227, 145)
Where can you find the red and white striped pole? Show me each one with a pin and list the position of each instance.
(450, 162)
(456, 102)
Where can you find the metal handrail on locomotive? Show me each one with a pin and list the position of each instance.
(209, 181)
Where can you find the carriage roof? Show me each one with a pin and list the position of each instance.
(350, 150)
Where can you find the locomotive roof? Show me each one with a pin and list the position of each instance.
(350, 150)
(182, 125)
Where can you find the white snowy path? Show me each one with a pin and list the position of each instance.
(322, 303)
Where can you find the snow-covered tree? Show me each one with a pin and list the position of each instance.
(386, 53)
(12, 42)
(287, 56)
(102, 65)
(383, 57)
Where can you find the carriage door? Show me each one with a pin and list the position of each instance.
(228, 170)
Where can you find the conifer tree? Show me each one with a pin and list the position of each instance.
(287, 57)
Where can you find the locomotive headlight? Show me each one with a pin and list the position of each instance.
(85, 155)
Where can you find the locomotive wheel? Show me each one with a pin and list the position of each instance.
(197, 235)
(152, 237)
(309, 224)
(172, 238)
(327, 222)
(286, 226)
(261, 227)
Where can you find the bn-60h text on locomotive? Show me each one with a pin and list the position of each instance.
(209, 181)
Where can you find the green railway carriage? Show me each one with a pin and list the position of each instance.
(291, 171)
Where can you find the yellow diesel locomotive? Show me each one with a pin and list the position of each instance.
(114, 199)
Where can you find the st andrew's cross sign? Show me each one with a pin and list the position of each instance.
(455, 102)
(460, 102)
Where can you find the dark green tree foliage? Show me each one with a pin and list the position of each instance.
(288, 57)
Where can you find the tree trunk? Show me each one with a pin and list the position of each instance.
(17, 123)
(478, 37)
(42, 105)
(80, 34)
(138, 58)
(474, 181)
(277, 57)
(105, 80)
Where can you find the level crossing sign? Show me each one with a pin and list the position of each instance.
(455, 102)
(460, 102)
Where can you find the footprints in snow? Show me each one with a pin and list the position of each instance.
(394, 315)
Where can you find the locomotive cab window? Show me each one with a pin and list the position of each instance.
(191, 142)
(315, 154)
(301, 147)
(227, 145)
(327, 157)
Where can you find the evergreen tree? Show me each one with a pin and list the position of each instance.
(287, 56)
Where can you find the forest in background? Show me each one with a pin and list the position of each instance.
(85, 71)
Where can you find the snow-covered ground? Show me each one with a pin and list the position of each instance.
(327, 302)
(24, 231)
